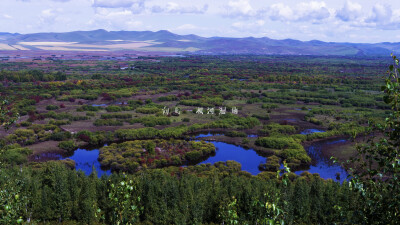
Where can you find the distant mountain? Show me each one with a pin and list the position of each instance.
(169, 42)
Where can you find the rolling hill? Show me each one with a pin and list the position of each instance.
(102, 40)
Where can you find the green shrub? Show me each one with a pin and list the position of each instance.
(148, 110)
(60, 136)
(59, 122)
(52, 107)
(234, 133)
(25, 123)
(15, 154)
(90, 114)
(107, 122)
(114, 108)
(117, 116)
(67, 145)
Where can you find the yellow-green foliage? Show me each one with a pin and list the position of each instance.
(22, 136)
(14, 154)
(290, 148)
(148, 110)
(277, 129)
(123, 92)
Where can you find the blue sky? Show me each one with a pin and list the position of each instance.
(329, 20)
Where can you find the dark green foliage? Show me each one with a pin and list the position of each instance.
(269, 106)
(376, 175)
(272, 164)
(60, 136)
(53, 193)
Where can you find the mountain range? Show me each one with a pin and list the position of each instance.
(165, 41)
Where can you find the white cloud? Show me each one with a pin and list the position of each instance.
(6, 16)
(380, 14)
(280, 12)
(349, 12)
(239, 8)
(378, 17)
(112, 19)
(175, 8)
(50, 0)
(304, 11)
(312, 11)
(186, 27)
(248, 25)
(48, 16)
(116, 3)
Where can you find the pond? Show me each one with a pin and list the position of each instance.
(249, 159)
(310, 131)
(97, 105)
(87, 159)
(322, 165)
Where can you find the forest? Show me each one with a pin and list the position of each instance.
(155, 124)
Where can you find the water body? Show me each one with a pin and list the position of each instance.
(241, 79)
(322, 165)
(248, 158)
(252, 135)
(310, 131)
(207, 135)
(86, 160)
(99, 105)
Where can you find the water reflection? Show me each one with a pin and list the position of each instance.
(249, 159)
(310, 131)
(86, 160)
(322, 165)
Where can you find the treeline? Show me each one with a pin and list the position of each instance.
(31, 75)
(51, 193)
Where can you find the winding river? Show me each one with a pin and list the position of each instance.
(86, 159)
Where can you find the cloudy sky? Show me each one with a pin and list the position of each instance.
(327, 20)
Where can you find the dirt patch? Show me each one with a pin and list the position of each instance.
(45, 147)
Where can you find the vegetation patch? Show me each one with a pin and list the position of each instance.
(134, 155)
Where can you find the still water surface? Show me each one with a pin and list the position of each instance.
(86, 159)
